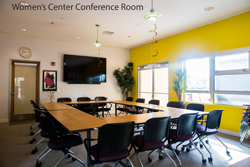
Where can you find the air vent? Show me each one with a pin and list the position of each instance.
(107, 32)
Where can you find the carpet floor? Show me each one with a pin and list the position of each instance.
(15, 151)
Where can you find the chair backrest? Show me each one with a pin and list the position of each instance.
(64, 99)
(140, 100)
(83, 99)
(115, 137)
(49, 127)
(175, 104)
(187, 124)
(154, 101)
(38, 112)
(99, 98)
(156, 129)
(213, 119)
(130, 99)
(195, 106)
(34, 104)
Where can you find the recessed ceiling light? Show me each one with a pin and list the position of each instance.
(209, 8)
(23, 29)
(23, 3)
(78, 37)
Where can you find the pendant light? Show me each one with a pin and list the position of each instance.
(152, 15)
(97, 44)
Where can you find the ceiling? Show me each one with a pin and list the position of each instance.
(130, 28)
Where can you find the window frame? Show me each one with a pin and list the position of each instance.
(152, 66)
(214, 73)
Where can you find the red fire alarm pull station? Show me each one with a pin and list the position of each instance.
(53, 63)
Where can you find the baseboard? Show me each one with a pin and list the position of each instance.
(230, 133)
(4, 120)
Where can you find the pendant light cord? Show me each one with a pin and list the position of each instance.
(97, 33)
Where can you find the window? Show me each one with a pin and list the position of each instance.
(221, 79)
(198, 74)
(153, 82)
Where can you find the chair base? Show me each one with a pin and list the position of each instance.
(68, 154)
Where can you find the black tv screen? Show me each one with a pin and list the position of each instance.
(84, 69)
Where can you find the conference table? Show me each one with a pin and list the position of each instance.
(143, 105)
(75, 120)
(103, 102)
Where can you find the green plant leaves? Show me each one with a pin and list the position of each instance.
(124, 77)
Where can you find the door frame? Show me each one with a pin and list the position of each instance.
(37, 100)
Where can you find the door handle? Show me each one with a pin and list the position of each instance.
(12, 93)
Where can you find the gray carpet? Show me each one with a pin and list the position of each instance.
(15, 151)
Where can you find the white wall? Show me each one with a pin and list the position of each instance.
(47, 51)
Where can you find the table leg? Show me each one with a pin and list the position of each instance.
(102, 109)
(88, 143)
(115, 109)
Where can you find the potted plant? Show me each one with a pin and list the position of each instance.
(178, 84)
(124, 78)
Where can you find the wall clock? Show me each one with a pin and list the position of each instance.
(25, 52)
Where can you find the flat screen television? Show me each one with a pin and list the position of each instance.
(84, 69)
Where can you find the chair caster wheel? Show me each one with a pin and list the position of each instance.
(182, 148)
(228, 153)
(32, 133)
(207, 141)
(73, 159)
(177, 152)
(187, 149)
(204, 161)
(210, 159)
(34, 151)
(30, 128)
(160, 156)
(149, 159)
(201, 146)
(32, 141)
(38, 164)
(190, 146)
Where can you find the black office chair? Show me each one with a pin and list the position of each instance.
(196, 107)
(124, 108)
(137, 110)
(103, 106)
(41, 132)
(175, 104)
(155, 102)
(58, 142)
(88, 108)
(38, 112)
(112, 143)
(185, 132)
(64, 99)
(37, 121)
(155, 134)
(211, 128)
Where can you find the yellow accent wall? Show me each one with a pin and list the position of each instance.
(227, 34)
